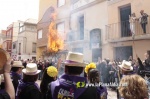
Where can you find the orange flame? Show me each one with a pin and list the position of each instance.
(55, 42)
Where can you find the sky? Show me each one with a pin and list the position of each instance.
(13, 10)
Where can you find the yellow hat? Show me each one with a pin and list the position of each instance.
(52, 71)
(90, 66)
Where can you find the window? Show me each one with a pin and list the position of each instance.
(14, 46)
(61, 28)
(8, 33)
(60, 3)
(70, 38)
(81, 27)
(30, 28)
(34, 47)
(40, 34)
(21, 27)
(9, 45)
(95, 38)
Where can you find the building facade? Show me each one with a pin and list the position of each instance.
(7, 42)
(24, 47)
(15, 39)
(96, 28)
(87, 28)
(121, 43)
(82, 27)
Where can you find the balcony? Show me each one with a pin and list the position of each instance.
(77, 5)
(113, 1)
(121, 31)
(8, 37)
(80, 3)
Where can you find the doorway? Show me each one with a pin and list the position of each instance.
(123, 53)
(124, 19)
(96, 53)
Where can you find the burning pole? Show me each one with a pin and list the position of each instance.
(55, 41)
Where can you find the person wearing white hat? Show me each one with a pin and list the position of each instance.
(28, 88)
(16, 72)
(71, 85)
(126, 68)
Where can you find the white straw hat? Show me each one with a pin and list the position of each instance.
(31, 69)
(17, 64)
(75, 59)
(126, 66)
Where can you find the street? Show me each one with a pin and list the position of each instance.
(111, 94)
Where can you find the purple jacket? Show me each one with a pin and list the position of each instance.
(65, 86)
(15, 79)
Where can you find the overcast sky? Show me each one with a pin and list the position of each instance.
(13, 10)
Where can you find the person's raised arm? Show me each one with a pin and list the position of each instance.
(9, 88)
(130, 18)
(58, 64)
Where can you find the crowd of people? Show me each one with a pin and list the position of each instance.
(119, 72)
(63, 80)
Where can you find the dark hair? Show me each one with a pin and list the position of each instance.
(85, 75)
(30, 78)
(75, 70)
(107, 60)
(103, 64)
(15, 69)
(126, 72)
(45, 81)
(93, 76)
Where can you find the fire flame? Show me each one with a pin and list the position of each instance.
(55, 42)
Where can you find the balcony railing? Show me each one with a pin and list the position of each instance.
(123, 29)
(8, 37)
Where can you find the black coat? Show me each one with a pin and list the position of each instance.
(15, 79)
